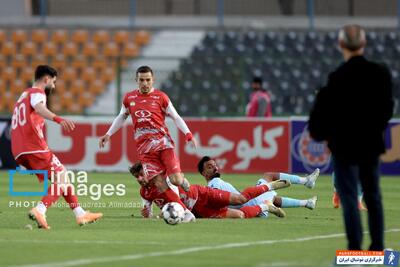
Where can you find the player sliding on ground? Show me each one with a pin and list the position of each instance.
(208, 168)
(148, 108)
(206, 202)
(30, 149)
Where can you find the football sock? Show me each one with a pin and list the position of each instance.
(254, 191)
(294, 179)
(78, 211)
(71, 198)
(170, 196)
(291, 202)
(41, 208)
(53, 193)
(251, 211)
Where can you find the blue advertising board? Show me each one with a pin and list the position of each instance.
(306, 154)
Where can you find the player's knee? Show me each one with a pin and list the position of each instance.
(176, 179)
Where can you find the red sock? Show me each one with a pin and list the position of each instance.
(53, 193)
(170, 196)
(71, 198)
(254, 191)
(251, 211)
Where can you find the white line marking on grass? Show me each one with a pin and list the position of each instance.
(102, 242)
(184, 251)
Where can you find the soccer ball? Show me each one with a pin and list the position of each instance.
(173, 213)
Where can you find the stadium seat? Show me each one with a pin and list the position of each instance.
(49, 49)
(70, 49)
(142, 38)
(77, 87)
(19, 36)
(111, 50)
(89, 74)
(29, 49)
(8, 49)
(39, 60)
(101, 37)
(130, 50)
(8, 74)
(121, 38)
(96, 87)
(108, 74)
(79, 63)
(90, 49)
(18, 87)
(59, 62)
(59, 37)
(28, 74)
(39, 36)
(68, 74)
(80, 37)
(3, 36)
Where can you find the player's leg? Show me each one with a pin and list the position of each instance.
(61, 185)
(335, 197)
(308, 181)
(369, 180)
(169, 195)
(286, 202)
(173, 169)
(254, 191)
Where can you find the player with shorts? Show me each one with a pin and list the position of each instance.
(208, 168)
(30, 149)
(148, 108)
(207, 202)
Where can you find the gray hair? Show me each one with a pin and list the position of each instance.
(352, 37)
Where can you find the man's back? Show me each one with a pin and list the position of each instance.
(358, 102)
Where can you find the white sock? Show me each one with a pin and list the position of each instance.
(264, 207)
(303, 202)
(78, 211)
(41, 208)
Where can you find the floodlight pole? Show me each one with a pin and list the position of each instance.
(43, 11)
(220, 12)
(310, 13)
(132, 13)
(398, 15)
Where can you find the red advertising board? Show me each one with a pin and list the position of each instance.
(239, 146)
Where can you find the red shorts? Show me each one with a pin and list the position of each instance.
(162, 161)
(211, 203)
(41, 161)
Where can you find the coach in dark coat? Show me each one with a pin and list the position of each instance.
(351, 113)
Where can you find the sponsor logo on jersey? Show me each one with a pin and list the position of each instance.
(155, 97)
(132, 103)
(142, 113)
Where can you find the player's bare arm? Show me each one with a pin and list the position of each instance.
(43, 111)
(115, 126)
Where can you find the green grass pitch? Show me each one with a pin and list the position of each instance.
(304, 238)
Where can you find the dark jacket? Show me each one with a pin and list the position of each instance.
(352, 111)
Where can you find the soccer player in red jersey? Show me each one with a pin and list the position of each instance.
(206, 202)
(30, 149)
(148, 108)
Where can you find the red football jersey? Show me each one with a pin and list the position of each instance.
(27, 126)
(148, 113)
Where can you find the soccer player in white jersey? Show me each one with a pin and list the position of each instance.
(208, 168)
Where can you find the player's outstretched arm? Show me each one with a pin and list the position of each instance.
(181, 124)
(43, 111)
(115, 126)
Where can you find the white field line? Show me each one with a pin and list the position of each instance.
(101, 242)
(184, 251)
